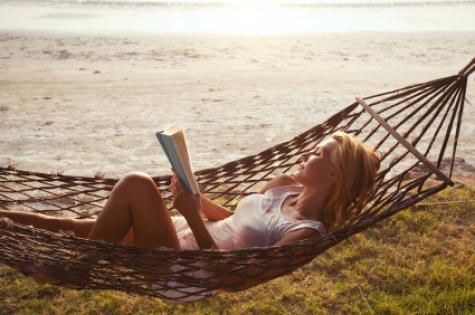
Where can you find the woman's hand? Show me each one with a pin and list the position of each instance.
(189, 206)
(184, 201)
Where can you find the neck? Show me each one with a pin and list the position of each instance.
(311, 202)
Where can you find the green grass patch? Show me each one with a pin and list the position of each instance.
(420, 261)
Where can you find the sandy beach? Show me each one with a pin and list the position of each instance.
(83, 104)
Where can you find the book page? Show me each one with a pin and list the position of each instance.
(179, 142)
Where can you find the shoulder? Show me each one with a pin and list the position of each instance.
(281, 180)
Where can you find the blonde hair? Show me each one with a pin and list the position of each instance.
(355, 165)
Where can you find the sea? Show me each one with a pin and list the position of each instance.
(127, 17)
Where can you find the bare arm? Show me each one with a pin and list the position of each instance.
(213, 211)
(297, 235)
(200, 231)
(189, 206)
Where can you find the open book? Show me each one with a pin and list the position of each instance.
(174, 145)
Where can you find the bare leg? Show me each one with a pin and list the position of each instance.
(50, 223)
(38, 220)
(134, 206)
(81, 228)
(135, 202)
(134, 214)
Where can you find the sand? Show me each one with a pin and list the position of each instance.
(85, 104)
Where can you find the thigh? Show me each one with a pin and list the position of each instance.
(82, 228)
(136, 203)
(128, 238)
(151, 222)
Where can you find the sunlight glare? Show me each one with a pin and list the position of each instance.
(255, 17)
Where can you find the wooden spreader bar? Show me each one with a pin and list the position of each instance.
(404, 142)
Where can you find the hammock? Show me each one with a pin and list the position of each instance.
(415, 128)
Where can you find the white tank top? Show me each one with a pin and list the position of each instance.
(257, 222)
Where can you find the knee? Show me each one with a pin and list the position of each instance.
(136, 179)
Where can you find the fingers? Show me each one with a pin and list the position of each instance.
(176, 190)
(176, 181)
(175, 185)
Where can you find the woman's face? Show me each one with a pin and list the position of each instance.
(316, 168)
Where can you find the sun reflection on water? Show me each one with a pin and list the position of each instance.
(249, 17)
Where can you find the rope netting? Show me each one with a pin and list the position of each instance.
(415, 129)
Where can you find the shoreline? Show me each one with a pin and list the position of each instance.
(66, 34)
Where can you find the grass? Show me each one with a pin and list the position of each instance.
(420, 261)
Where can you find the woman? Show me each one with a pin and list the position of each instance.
(338, 172)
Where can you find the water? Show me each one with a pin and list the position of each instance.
(122, 17)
